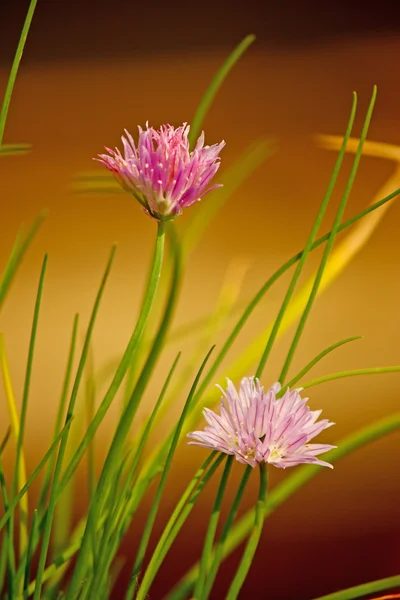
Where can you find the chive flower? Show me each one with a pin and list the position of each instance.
(257, 426)
(161, 172)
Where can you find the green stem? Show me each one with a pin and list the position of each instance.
(8, 539)
(314, 361)
(124, 425)
(146, 373)
(156, 503)
(60, 412)
(90, 404)
(17, 254)
(175, 264)
(3, 558)
(7, 513)
(14, 68)
(29, 555)
(52, 572)
(215, 84)
(166, 318)
(365, 589)
(12, 260)
(254, 538)
(118, 533)
(119, 507)
(212, 528)
(121, 513)
(149, 365)
(329, 245)
(102, 555)
(24, 407)
(131, 349)
(217, 556)
(178, 518)
(354, 373)
(48, 521)
(309, 243)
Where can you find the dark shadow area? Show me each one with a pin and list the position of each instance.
(88, 29)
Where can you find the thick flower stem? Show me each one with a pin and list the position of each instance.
(113, 456)
(252, 543)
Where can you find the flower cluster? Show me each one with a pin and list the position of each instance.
(161, 171)
(258, 426)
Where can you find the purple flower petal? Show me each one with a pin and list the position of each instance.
(162, 170)
(257, 427)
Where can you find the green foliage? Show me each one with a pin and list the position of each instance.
(15, 148)
(127, 473)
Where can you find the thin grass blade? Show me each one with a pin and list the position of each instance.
(90, 408)
(60, 413)
(70, 411)
(365, 589)
(353, 373)
(7, 514)
(23, 525)
(15, 149)
(316, 360)
(118, 513)
(214, 86)
(29, 555)
(179, 516)
(17, 255)
(8, 539)
(329, 245)
(14, 69)
(156, 503)
(276, 326)
(20, 469)
(5, 440)
(211, 530)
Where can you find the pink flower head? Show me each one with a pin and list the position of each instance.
(259, 427)
(161, 172)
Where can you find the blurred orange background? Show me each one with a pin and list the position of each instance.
(343, 528)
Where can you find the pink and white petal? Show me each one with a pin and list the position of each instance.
(315, 449)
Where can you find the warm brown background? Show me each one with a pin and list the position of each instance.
(88, 72)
